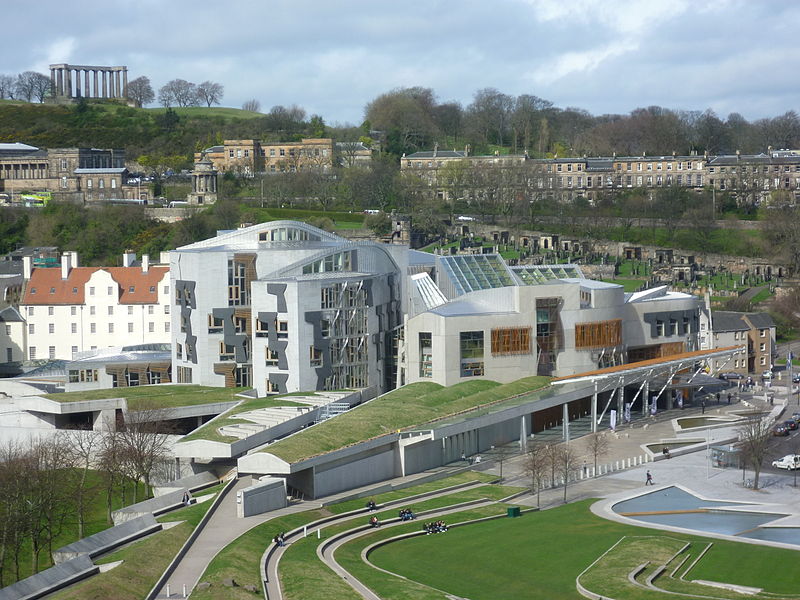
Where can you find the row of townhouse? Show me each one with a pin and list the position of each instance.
(73, 174)
(751, 177)
(68, 310)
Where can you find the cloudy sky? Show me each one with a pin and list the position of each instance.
(333, 56)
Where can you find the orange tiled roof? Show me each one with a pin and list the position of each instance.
(46, 286)
(647, 363)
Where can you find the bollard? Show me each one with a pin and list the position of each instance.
(167, 590)
(319, 534)
(305, 530)
(184, 590)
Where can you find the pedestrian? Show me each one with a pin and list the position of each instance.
(281, 539)
(729, 397)
(703, 407)
(585, 468)
(463, 457)
(717, 397)
(649, 480)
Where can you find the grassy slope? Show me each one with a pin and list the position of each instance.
(214, 111)
(143, 561)
(159, 396)
(408, 406)
(546, 551)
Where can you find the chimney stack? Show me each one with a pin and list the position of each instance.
(65, 265)
(74, 260)
(27, 267)
(145, 263)
(128, 258)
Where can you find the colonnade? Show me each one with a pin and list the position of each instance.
(105, 82)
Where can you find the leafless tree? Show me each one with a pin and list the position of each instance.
(550, 457)
(502, 454)
(144, 442)
(596, 446)
(7, 87)
(140, 91)
(30, 85)
(112, 465)
(83, 446)
(178, 92)
(12, 512)
(210, 92)
(535, 465)
(566, 462)
(754, 435)
(252, 105)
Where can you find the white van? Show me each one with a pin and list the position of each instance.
(790, 462)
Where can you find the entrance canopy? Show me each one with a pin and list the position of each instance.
(647, 370)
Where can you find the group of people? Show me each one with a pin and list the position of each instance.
(373, 521)
(666, 453)
(405, 514)
(280, 539)
(434, 527)
(746, 384)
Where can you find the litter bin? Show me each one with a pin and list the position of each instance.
(513, 511)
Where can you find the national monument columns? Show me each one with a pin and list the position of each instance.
(106, 82)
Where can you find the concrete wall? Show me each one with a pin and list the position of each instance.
(266, 495)
(354, 471)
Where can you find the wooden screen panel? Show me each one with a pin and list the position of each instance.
(601, 334)
(226, 369)
(511, 340)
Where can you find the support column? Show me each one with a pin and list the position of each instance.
(620, 403)
(86, 90)
(53, 82)
(60, 83)
(594, 409)
(105, 83)
(523, 434)
(78, 83)
(69, 83)
(125, 82)
(95, 91)
(118, 78)
(646, 400)
(565, 422)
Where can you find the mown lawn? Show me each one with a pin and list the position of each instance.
(156, 396)
(408, 406)
(540, 554)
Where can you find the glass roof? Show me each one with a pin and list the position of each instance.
(536, 274)
(477, 272)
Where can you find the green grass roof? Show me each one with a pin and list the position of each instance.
(409, 406)
(155, 396)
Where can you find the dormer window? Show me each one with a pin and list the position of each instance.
(52, 290)
(152, 289)
(74, 290)
(131, 289)
(33, 291)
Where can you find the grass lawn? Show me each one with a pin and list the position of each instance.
(214, 111)
(540, 554)
(341, 219)
(143, 561)
(209, 430)
(629, 285)
(408, 406)
(159, 396)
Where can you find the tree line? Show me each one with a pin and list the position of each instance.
(414, 119)
(49, 487)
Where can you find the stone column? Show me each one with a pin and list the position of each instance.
(118, 77)
(565, 422)
(52, 82)
(125, 82)
(78, 83)
(646, 400)
(105, 83)
(68, 83)
(523, 434)
(96, 91)
(86, 89)
(59, 82)
(594, 409)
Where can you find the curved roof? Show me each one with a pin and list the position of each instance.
(250, 235)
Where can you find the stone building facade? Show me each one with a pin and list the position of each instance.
(248, 157)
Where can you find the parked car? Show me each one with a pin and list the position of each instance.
(790, 462)
(766, 375)
(790, 424)
(796, 417)
(731, 375)
(796, 378)
(779, 430)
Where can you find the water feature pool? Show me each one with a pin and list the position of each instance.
(676, 507)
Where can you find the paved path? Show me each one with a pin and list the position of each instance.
(223, 527)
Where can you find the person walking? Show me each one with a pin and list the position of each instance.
(649, 480)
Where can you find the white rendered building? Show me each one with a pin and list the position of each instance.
(74, 309)
(283, 307)
(476, 317)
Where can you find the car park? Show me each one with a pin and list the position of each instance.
(790, 424)
(790, 462)
(779, 430)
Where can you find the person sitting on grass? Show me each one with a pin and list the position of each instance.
(371, 504)
(373, 521)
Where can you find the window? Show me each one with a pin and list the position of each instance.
(110, 328)
(215, 324)
(150, 309)
(271, 358)
(51, 328)
(315, 356)
(110, 310)
(92, 310)
(73, 310)
(113, 183)
(425, 354)
(166, 309)
(32, 353)
(51, 352)
(153, 377)
(184, 375)
(74, 350)
(152, 289)
(227, 352)
(471, 345)
(91, 291)
(151, 327)
(673, 327)
(166, 290)
(659, 328)
(88, 184)
(65, 183)
(230, 153)
(8, 329)
(92, 327)
(30, 311)
(130, 310)
(762, 347)
(325, 328)
(110, 290)
(131, 378)
(763, 333)
(262, 328)
(511, 340)
(50, 311)
(283, 329)
(166, 327)
(31, 328)
(130, 327)
(101, 183)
